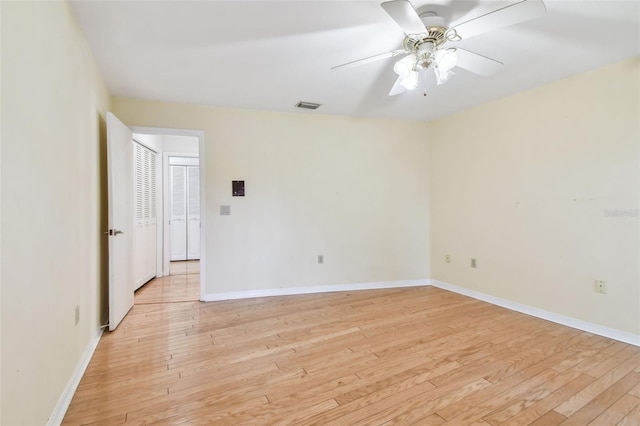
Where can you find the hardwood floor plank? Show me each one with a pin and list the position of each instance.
(550, 419)
(617, 411)
(530, 397)
(499, 399)
(540, 408)
(418, 408)
(381, 398)
(418, 374)
(586, 395)
(636, 390)
(607, 365)
(604, 400)
(631, 419)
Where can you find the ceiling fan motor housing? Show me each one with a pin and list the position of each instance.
(424, 45)
(428, 41)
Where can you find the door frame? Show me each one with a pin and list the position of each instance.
(166, 256)
(201, 149)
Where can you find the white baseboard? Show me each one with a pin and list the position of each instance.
(612, 333)
(70, 389)
(215, 297)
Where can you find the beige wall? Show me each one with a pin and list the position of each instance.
(53, 105)
(353, 190)
(1, 216)
(524, 185)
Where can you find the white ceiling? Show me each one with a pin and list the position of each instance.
(272, 54)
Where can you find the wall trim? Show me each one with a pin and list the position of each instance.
(62, 405)
(288, 291)
(612, 333)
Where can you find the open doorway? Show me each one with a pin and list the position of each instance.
(174, 215)
(182, 209)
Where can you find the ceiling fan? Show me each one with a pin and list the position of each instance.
(427, 44)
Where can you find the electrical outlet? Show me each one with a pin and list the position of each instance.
(601, 287)
(320, 259)
(473, 263)
(77, 314)
(447, 258)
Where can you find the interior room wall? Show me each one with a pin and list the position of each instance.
(168, 143)
(179, 143)
(543, 189)
(353, 190)
(53, 107)
(0, 213)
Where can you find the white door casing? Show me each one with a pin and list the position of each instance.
(120, 218)
(178, 220)
(184, 224)
(163, 229)
(170, 158)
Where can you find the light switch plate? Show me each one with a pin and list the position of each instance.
(225, 210)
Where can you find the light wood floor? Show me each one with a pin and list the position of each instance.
(184, 267)
(183, 285)
(420, 356)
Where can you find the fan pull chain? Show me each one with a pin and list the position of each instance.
(424, 93)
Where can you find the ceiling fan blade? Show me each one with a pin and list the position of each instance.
(405, 16)
(397, 88)
(523, 10)
(369, 59)
(477, 63)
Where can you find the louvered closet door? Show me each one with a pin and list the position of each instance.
(193, 212)
(178, 221)
(151, 237)
(138, 238)
(145, 237)
(150, 231)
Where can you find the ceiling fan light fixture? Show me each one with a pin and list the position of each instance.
(446, 59)
(442, 76)
(405, 66)
(425, 49)
(410, 82)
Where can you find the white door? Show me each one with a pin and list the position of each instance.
(138, 175)
(120, 212)
(151, 232)
(145, 222)
(178, 220)
(193, 212)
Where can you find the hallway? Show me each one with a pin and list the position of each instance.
(183, 285)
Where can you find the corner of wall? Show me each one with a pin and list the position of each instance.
(543, 187)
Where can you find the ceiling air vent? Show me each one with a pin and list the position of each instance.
(307, 105)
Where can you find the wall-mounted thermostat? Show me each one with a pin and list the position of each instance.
(237, 188)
